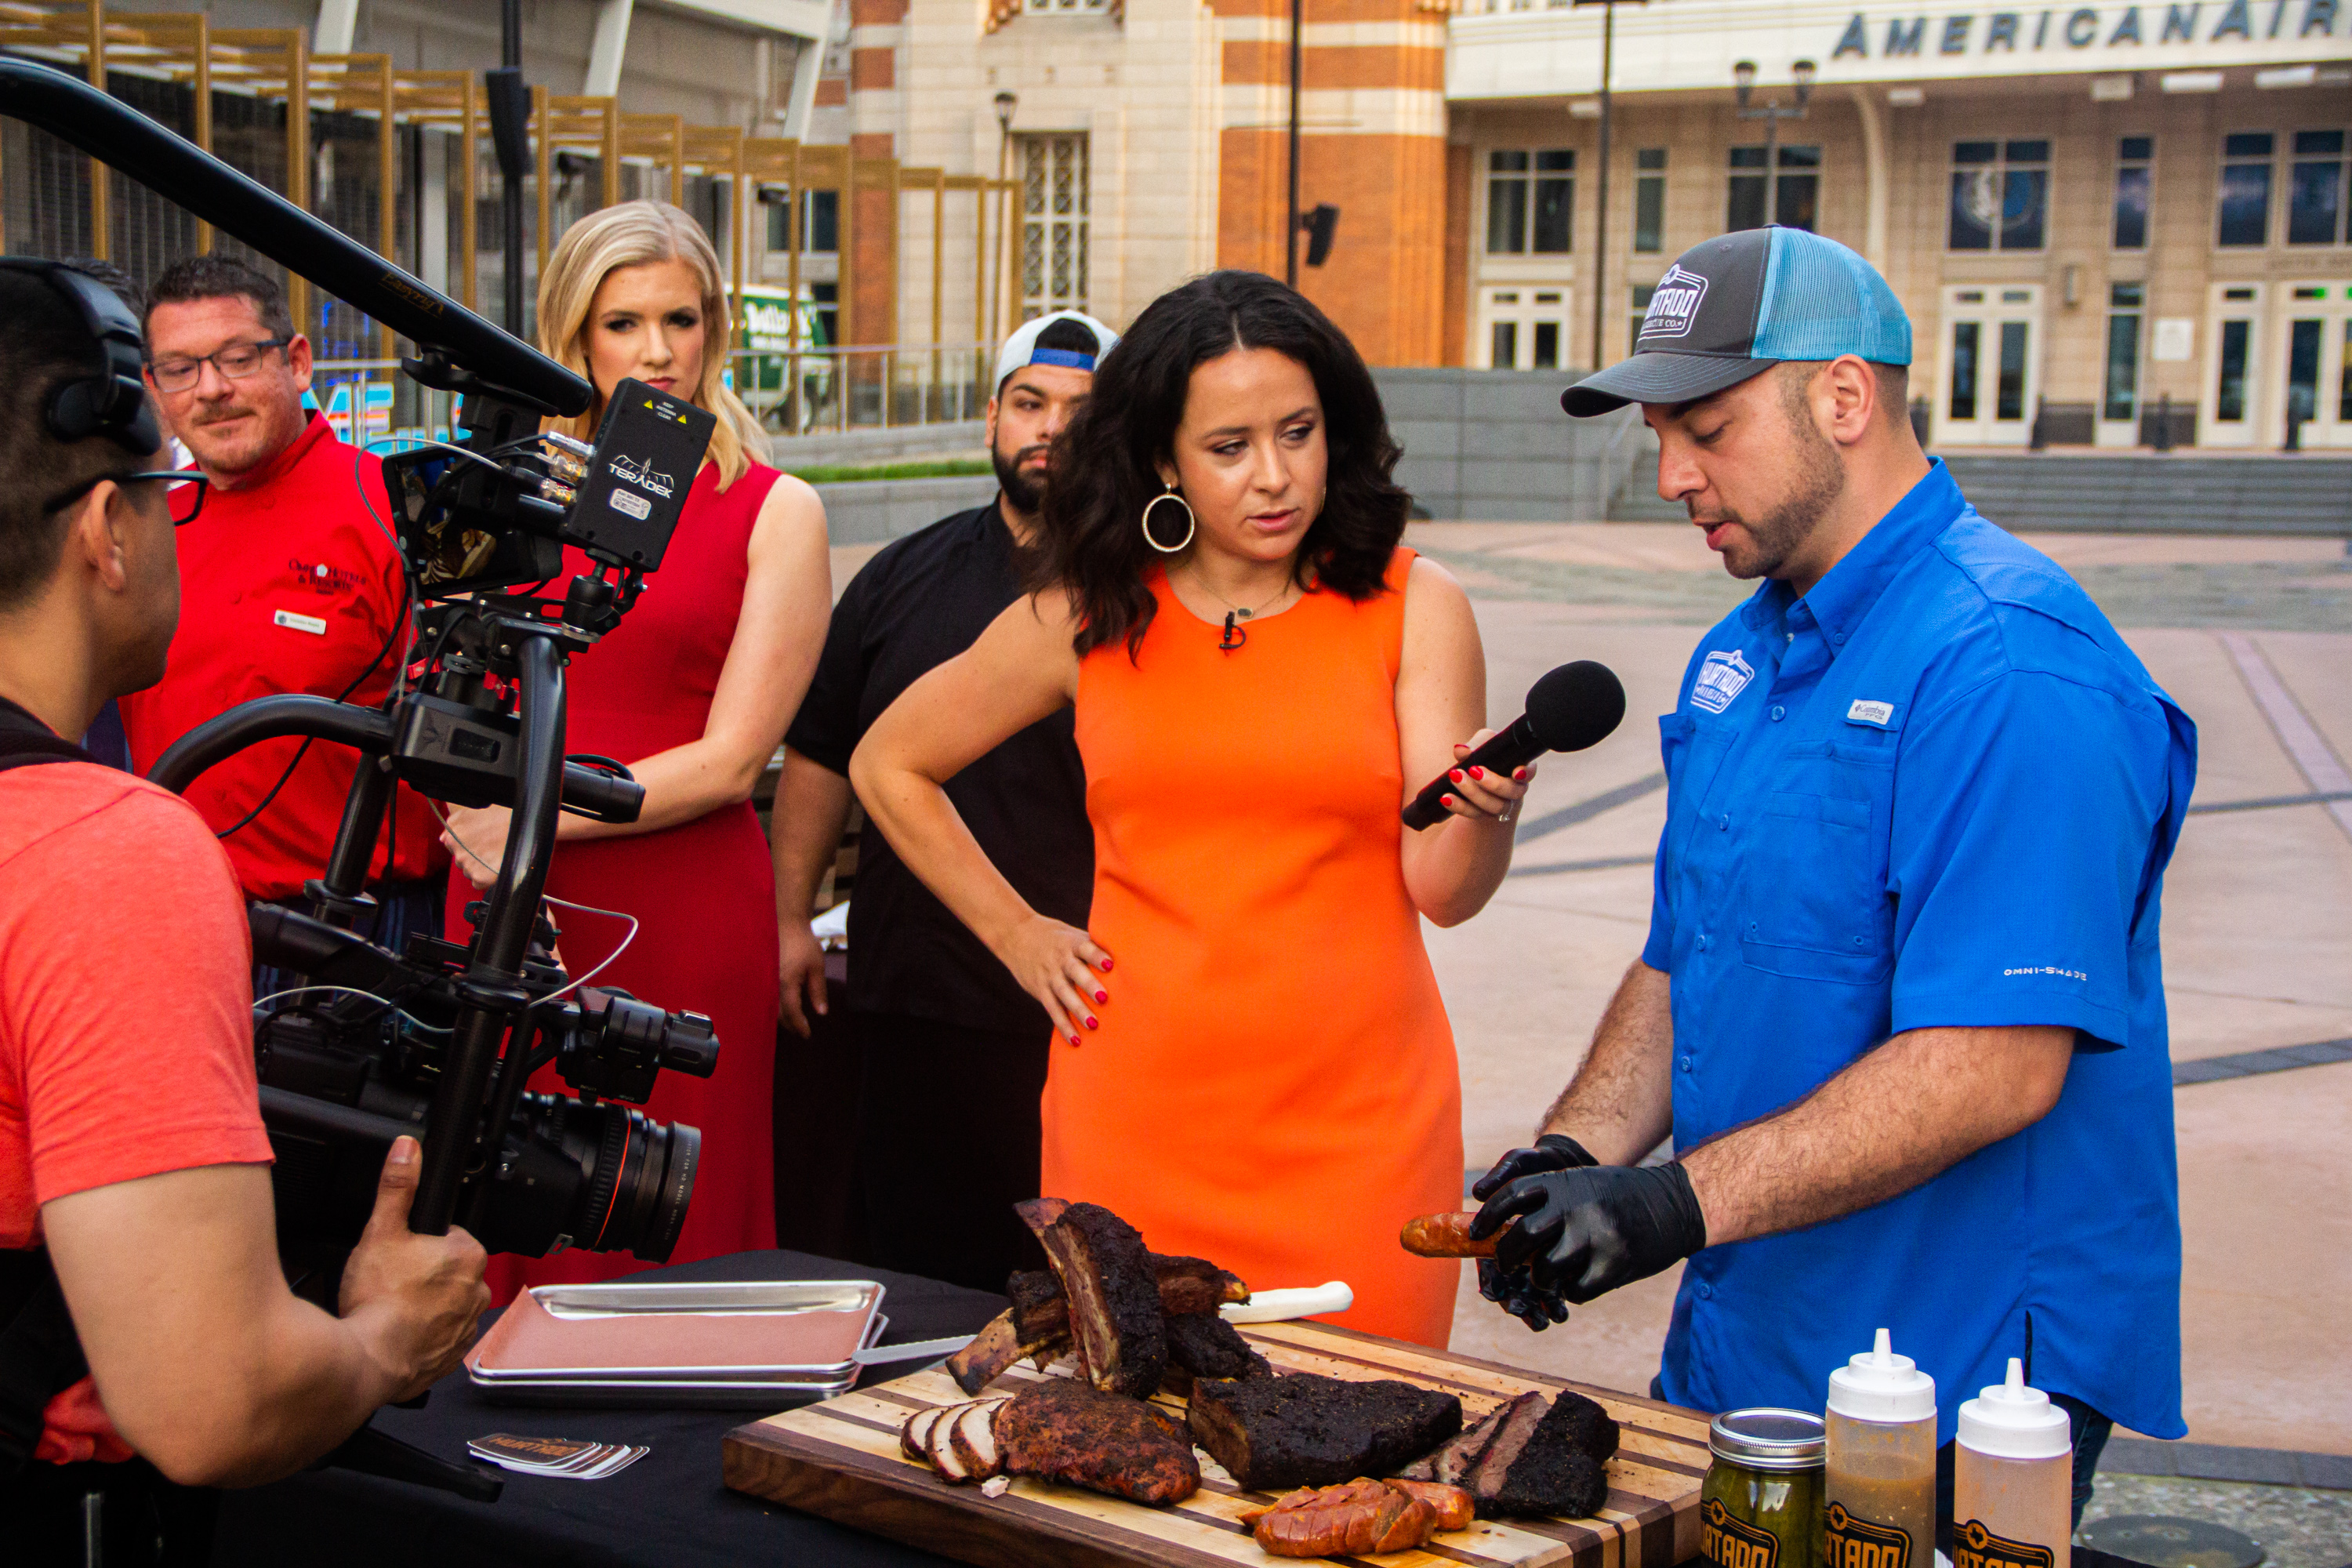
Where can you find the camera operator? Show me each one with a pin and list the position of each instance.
(137, 1232)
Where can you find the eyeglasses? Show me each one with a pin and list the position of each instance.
(235, 363)
(185, 497)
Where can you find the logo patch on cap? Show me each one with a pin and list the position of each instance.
(1674, 308)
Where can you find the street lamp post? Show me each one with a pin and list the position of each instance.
(1600, 194)
(1743, 81)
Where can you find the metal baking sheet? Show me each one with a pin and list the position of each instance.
(657, 1394)
(655, 1313)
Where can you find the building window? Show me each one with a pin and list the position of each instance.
(1792, 200)
(1053, 224)
(1965, 339)
(2124, 302)
(1530, 196)
(2245, 199)
(1642, 295)
(2229, 391)
(2134, 179)
(2302, 368)
(2315, 202)
(1650, 201)
(820, 223)
(2000, 195)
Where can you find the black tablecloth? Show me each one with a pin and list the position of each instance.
(668, 1509)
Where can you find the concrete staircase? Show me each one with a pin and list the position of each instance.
(2152, 492)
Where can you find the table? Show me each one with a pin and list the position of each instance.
(668, 1509)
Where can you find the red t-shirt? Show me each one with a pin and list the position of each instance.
(286, 585)
(126, 1032)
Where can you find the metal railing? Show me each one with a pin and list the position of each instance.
(798, 392)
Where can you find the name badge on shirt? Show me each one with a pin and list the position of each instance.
(314, 624)
(1867, 713)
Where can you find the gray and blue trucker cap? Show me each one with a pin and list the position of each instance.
(1736, 305)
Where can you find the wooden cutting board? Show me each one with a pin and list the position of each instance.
(840, 1459)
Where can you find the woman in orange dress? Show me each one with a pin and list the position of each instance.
(1259, 1069)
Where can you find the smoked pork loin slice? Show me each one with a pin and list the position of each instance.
(1306, 1430)
(1061, 1429)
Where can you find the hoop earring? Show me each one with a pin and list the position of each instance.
(1191, 523)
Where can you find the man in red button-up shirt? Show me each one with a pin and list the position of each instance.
(287, 584)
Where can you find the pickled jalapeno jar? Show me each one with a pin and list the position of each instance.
(1761, 1507)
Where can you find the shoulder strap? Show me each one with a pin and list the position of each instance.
(40, 1355)
(24, 739)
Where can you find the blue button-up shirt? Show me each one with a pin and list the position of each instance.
(1938, 790)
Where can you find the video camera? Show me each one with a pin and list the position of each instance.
(439, 1040)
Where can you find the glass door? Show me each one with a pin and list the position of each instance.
(2235, 383)
(1990, 375)
(2316, 359)
(1523, 328)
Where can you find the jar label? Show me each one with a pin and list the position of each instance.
(1859, 1543)
(1729, 1542)
(1974, 1546)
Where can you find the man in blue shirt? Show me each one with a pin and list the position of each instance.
(1901, 1007)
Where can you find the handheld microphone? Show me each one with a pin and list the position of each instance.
(1573, 707)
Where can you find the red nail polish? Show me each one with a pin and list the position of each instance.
(1456, 775)
(1446, 800)
(1075, 1040)
(1106, 966)
(1478, 772)
(1521, 774)
(1102, 995)
(1091, 1024)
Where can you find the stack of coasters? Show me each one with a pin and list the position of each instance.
(574, 1459)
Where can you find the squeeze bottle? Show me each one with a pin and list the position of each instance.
(2013, 1483)
(1880, 1489)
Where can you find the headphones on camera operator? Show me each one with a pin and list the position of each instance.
(443, 1037)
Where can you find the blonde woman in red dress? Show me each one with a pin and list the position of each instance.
(693, 692)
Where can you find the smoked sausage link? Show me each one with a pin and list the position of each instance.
(1446, 1236)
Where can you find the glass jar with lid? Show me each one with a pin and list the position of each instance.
(1761, 1507)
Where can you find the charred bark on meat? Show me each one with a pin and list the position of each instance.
(1306, 1430)
(1202, 1344)
(1113, 1296)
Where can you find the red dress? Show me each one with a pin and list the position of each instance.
(704, 891)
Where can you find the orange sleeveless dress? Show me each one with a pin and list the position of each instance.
(1274, 1086)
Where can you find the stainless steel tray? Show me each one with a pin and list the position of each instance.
(660, 1395)
(722, 1298)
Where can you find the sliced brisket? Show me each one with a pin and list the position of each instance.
(1546, 1459)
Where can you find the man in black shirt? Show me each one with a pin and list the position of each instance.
(952, 1051)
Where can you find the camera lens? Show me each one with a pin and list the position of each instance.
(602, 1177)
(636, 1194)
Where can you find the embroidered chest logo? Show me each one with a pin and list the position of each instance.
(1673, 308)
(318, 577)
(1721, 676)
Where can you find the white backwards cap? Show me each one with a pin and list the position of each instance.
(1020, 349)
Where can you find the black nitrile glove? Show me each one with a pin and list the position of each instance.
(1515, 1291)
(1553, 1152)
(1583, 1233)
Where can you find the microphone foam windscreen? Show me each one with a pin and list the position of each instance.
(1576, 705)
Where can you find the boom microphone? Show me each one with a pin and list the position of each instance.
(120, 137)
(1573, 707)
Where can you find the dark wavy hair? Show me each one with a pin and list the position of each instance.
(1103, 466)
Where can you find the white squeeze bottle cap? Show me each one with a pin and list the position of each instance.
(1879, 1386)
(2011, 1421)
